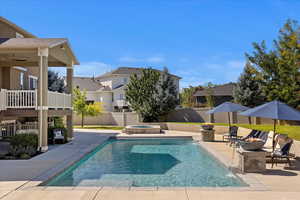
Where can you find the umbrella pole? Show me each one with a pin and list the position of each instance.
(274, 129)
(229, 119)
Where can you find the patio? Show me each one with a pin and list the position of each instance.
(21, 180)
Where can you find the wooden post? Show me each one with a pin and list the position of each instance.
(69, 91)
(43, 99)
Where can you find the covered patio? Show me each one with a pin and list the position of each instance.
(41, 53)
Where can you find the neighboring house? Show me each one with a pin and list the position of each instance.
(24, 95)
(221, 94)
(109, 88)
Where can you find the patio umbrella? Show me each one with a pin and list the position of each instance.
(275, 110)
(228, 107)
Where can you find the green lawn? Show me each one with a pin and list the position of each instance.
(292, 131)
(100, 127)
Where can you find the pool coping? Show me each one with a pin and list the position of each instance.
(36, 183)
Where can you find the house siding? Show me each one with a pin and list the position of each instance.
(6, 31)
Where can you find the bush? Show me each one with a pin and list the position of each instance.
(24, 144)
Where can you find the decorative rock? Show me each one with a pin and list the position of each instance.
(252, 161)
(207, 135)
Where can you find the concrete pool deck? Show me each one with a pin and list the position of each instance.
(18, 179)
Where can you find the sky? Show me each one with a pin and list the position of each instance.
(199, 40)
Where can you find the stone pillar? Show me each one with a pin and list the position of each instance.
(69, 91)
(43, 99)
(234, 117)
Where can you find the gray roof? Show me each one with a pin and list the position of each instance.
(127, 71)
(88, 84)
(30, 43)
(220, 90)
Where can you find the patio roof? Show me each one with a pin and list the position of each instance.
(23, 51)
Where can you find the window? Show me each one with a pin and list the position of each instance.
(21, 80)
(32, 82)
(124, 80)
(121, 96)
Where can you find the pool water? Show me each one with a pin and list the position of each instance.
(146, 163)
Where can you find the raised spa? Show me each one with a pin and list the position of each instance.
(142, 129)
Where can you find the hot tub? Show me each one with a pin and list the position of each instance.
(142, 129)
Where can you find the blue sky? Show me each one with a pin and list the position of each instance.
(200, 40)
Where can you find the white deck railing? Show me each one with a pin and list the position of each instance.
(121, 103)
(59, 100)
(28, 99)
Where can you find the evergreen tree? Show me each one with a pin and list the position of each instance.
(168, 94)
(280, 67)
(248, 90)
(141, 94)
(152, 94)
(55, 82)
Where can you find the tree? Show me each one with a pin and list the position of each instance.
(81, 107)
(55, 82)
(248, 90)
(187, 98)
(279, 67)
(209, 95)
(152, 94)
(141, 94)
(168, 94)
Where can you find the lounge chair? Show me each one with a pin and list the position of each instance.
(283, 153)
(262, 135)
(252, 134)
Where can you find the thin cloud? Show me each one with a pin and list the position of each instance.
(92, 68)
(153, 59)
(217, 73)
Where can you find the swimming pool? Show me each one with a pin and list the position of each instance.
(146, 163)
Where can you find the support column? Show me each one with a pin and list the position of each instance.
(69, 91)
(43, 99)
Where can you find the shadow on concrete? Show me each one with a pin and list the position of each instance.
(279, 172)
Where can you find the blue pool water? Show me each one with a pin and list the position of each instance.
(148, 162)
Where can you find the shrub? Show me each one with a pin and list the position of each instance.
(22, 144)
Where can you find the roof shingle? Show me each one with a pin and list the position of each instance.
(220, 90)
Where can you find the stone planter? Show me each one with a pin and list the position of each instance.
(252, 161)
(207, 135)
(207, 127)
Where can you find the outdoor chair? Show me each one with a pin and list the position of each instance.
(278, 156)
(262, 135)
(232, 136)
(252, 134)
(58, 135)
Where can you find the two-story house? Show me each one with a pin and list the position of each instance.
(109, 88)
(24, 62)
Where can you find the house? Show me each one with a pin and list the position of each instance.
(109, 88)
(24, 95)
(220, 93)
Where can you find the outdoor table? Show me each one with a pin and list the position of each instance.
(252, 161)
